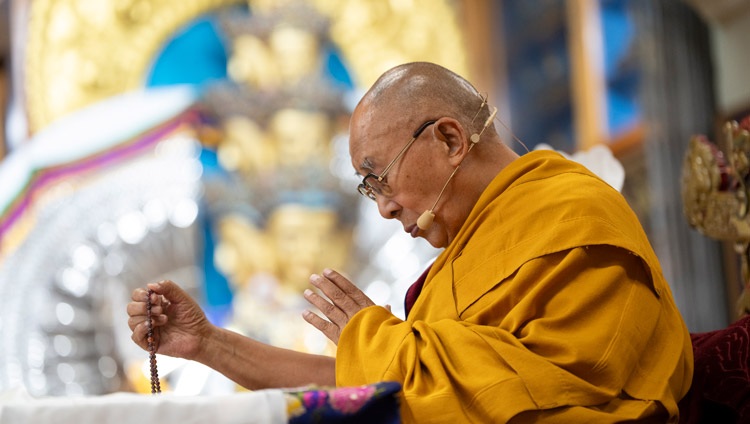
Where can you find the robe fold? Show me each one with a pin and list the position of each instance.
(548, 306)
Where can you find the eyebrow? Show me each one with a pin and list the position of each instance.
(366, 165)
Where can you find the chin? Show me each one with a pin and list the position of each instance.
(435, 242)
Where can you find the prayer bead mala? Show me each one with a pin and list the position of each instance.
(155, 386)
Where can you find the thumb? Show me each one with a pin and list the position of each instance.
(170, 290)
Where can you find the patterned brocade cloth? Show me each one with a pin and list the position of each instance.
(369, 404)
(720, 392)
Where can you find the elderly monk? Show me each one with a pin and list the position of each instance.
(547, 303)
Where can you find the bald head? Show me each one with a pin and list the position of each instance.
(445, 110)
(424, 90)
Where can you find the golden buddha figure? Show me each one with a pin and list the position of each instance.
(252, 62)
(276, 47)
(301, 137)
(246, 147)
(243, 250)
(296, 52)
(304, 240)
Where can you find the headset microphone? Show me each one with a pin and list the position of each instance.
(425, 220)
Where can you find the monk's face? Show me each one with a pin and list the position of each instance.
(414, 181)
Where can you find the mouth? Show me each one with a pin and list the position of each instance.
(413, 230)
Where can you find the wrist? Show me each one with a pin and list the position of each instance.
(207, 344)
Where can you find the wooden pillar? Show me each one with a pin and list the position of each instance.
(3, 107)
(476, 21)
(588, 84)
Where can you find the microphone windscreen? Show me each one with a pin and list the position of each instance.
(425, 220)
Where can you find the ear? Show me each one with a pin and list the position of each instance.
(454, 139)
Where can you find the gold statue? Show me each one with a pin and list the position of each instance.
(306, 239)
(246, 147)
(301, 137)
(252, 62)
(243, 250)
(296, 51)
(299, 240)
(715, 192)
(277, 46)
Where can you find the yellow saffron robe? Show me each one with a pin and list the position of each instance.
(549, 306)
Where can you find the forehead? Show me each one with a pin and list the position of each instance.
(373, 138)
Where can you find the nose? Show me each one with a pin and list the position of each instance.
(387, 207)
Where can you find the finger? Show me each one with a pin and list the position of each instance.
(139, 308)
(341, 291)
(139, 336)
(329, 329)
(157, 321)
(168, 292)
(138, 295)
(134, 321)
(333, 292)
(165, 304)
(348, 287)
(135, 309)
(327, 308)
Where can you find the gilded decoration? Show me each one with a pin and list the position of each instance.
(375, 35)
(715, 192)
(82, 51)
(283, 206)
(714, 189)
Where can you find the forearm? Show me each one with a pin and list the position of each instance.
(255, 365)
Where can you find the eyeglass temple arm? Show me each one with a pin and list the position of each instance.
(387, 168)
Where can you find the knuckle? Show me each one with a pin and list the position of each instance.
(338, 296)
(327, 308)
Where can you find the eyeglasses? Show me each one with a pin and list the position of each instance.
(373, 184)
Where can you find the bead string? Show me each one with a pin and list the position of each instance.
(155, 386)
